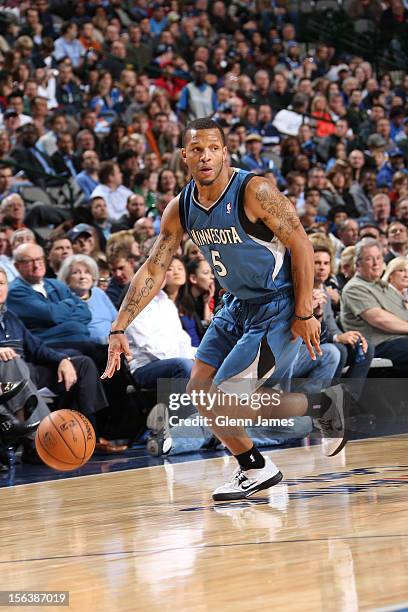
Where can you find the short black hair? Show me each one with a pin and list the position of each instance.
(205, 123)
(310, 189)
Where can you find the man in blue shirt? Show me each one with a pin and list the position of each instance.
(88, 178)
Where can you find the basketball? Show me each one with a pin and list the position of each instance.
(65, 440)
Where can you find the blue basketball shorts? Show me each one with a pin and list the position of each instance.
(250, 344)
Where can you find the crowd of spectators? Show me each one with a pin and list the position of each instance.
(94, 96)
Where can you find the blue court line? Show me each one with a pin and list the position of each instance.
(201, 547)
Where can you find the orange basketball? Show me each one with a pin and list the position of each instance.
(65, 440)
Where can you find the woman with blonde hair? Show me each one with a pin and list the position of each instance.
(346, 267)
(320, 112)
(396, 275)
(81, 274)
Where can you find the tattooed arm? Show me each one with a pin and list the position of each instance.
(146, 284)
(265, 203)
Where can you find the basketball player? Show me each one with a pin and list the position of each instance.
(251, 236)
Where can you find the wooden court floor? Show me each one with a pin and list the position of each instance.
(332, 536)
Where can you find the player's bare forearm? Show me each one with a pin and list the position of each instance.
(303, 277)
(147, 281)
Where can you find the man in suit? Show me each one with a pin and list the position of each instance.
(37, 165)
(63, 159)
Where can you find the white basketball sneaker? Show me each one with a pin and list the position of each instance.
(332, 424)
(245, 483)
(159, 441)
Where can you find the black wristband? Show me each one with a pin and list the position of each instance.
(118, 331)
(304, 318)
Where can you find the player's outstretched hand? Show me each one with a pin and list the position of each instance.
(309, 331)
(118, 344)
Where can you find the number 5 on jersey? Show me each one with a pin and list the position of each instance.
(219, 267)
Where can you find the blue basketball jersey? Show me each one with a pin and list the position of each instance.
(247, 259)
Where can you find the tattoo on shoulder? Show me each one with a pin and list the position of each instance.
(131, 304)
(162, 252)
(276, 205)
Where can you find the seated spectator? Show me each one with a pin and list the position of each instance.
(106, 102)
(357, 161)
(21, 236)
(82, 237)
(401, 211)
(145, 235)
(136, 209)
(269, 133)
(88, 178)
(320, 112)
(81, 274)
(383, 128)
(161, 205)
(111, 189)
(68, 45)
(399, 186)
(381, 210)
(37, 166)
(68, 94)
(159, 345)
(295, 189)
(363, 192)
(48, 142)
(337, 193)
(337, 215)
(327, 146)
(6, 182)
(178, 291)
(346, 268)
(13, 211)
(111, 142)
(57, 250)
(200, 280)
(167, 183)
(6, 261)
(347, 342)
(376, 145)
(63, 159)
(253, 160)
(375, 309)
(101, 223)
(5, 144)
(397, 234)
(348, 232)
(324, 273)
(396, 275)
(49, 309)
(122, 266)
